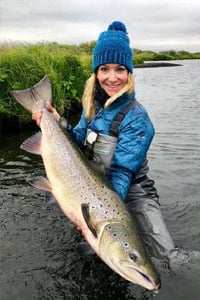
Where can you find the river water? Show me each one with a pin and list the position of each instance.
(37, 256)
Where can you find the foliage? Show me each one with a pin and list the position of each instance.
(68, 67)
(22, 66)
(141, 56)
(87, 47)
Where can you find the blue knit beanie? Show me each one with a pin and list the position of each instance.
(113, 46)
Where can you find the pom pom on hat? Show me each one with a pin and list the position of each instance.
(117, 25)
(113, 46)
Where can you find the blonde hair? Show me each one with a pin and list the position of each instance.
(90, 90)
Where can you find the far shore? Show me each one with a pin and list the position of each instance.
(157, 65)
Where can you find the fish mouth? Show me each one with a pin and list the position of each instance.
(148, 279)
(136, 275)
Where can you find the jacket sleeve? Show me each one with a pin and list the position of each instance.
(78, 133)
(135, 135)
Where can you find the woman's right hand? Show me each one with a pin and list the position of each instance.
(37, 115)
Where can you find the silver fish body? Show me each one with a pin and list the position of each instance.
(85, 196)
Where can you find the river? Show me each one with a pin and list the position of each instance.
(37, 256)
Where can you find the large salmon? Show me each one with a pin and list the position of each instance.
(84, 195)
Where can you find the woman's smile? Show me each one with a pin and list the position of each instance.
(112, 78)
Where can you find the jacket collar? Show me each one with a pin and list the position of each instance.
(122, 100)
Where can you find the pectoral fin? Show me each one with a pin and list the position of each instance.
(87, 218)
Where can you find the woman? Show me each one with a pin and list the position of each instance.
(118, 132)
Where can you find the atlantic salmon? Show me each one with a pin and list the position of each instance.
(85, 195)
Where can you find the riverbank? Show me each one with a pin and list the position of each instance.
(157, 65)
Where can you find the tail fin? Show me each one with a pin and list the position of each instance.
(35, 97)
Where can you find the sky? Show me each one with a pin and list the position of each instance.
(151, 24)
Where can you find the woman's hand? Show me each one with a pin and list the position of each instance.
(37, 115)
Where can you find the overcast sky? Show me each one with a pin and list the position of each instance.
(152, 24)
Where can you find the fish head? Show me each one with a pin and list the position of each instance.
(123, 251)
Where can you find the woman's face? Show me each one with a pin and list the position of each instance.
(112, 78)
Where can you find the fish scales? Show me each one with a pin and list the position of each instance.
(95, 191)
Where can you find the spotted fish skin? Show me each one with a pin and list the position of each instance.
(84, 194)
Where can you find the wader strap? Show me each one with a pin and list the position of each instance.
(119, 118)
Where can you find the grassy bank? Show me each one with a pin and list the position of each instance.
(68, 67)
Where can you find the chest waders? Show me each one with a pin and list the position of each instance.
(142, 199)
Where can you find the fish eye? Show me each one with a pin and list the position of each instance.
(133, 256)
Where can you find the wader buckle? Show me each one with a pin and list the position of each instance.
(92, 137)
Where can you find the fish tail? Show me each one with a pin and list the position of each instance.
(36, 96)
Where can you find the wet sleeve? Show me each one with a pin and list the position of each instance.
(135, 136)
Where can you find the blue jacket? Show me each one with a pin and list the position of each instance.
(135, 135)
